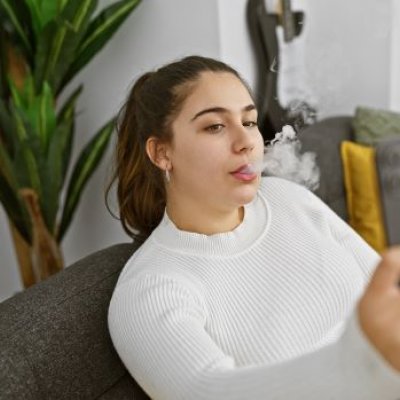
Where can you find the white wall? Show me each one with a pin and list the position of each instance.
(348, 54)
(235, 43)
(341, 60)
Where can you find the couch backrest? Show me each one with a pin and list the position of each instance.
(54, 341)
(324, 138)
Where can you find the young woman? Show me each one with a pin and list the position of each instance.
(245, 287)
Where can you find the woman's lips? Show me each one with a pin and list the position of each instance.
(244, 177)
(245, 173)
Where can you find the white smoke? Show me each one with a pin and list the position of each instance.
(282, 158)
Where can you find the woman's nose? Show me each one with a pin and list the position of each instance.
(243, 140)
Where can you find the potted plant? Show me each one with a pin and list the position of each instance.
(43, 45)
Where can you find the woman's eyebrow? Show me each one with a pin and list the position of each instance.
(221, 110)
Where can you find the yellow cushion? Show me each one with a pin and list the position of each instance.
(363, 194)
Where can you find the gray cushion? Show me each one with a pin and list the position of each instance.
(54, 336)
(324, 138)
(388, 170)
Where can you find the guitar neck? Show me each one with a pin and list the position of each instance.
(288, 21)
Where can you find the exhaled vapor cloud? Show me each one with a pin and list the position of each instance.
(282, 158)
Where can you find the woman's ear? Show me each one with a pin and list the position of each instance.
(157, 152)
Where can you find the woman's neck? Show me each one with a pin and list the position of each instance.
(195, 218)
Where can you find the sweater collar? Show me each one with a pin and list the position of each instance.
(254, 224)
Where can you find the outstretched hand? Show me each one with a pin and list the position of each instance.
(379, 308)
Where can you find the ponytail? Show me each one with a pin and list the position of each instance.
(140, 190)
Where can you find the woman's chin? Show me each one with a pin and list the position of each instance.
(246, 194)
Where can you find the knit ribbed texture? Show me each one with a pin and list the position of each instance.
(266, 311)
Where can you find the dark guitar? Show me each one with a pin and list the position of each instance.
(262, 26)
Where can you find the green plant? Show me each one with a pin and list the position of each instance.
(43, 45)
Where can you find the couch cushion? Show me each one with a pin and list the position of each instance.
(324, 138)
(371, 125)
(388, 168)
(363, 193)
(17, 380)
(54, 335)
(125, 389)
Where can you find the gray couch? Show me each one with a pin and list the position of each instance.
(54, 342)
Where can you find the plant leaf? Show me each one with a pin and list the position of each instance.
(7, 128)
(87, 162)
(35, 15)
(12, 203)
(69, 104)
(16, 96)
(31, 162)
(53, 172)
(42, 12)
(47, 115)
(28, 91)
(15, 10)
(14, 209)
(6, 168)
(38, 110)
(59, 40)
(68, 112)
(28, 147)
(4, 91)
(99, 32)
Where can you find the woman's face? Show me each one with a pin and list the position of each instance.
(214, 134)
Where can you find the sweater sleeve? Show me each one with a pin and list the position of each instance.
(157, 325)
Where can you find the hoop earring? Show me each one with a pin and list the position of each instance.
(167, 176)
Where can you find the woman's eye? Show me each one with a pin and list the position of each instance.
(214, 128)
(250, 123)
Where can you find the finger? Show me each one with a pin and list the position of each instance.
(387, 273)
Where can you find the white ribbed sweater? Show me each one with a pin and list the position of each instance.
(266, 311)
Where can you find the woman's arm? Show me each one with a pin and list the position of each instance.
(157, 326)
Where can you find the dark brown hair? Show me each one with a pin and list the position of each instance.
(153, 102)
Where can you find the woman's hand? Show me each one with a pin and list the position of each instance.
(379, 308)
